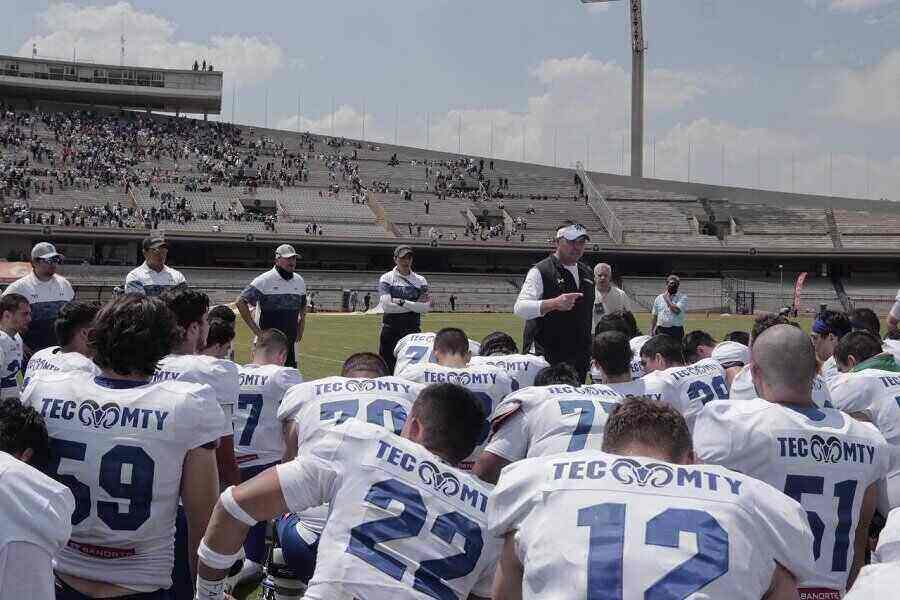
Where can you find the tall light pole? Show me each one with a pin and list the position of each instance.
(781, 286)
(638, 48)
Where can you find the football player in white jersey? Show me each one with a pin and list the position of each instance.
(72, 328)
(697, 384)
(405, 523)
(417, 348)
(640, 520)
(451, 354)
(15, 315)
(881, 578)
(127, 449)
(742, 387)
(37, 511)
(500, 350)
(733, 356)
(625, 322)
(827, 330)
(363, 391)
(869, 395)
(559, 416)
(821, 457)
(257, 431)
(185, 363)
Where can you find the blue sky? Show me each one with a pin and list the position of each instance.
(777, 86)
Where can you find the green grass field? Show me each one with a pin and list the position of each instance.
(330, 338)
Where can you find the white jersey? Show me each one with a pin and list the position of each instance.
(597, 525)
(418, 348)
(403, 524)
(489, 384)
(46, 299)
(324, 403)
(874, 393)
(521, 367)
(830, 369)
(120, 446)
(36, 509)
(537, 421)
(219, 374)
(819, 456)
(145, 281)
(54, 359)
(875, 582)
(658, 389)
(10, 363)
(257, 431)
(636, 343)
(742, 388)
(695, 385)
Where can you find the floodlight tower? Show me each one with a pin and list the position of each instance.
(637, 85)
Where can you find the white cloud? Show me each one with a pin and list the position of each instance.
(869, 96)
(93, 31)
(857, 5)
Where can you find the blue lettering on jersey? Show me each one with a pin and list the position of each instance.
(367, 385)
(695, 370)
(632, 472)
(889, 381)
(510, 366)
(42, 364)
(254, 380)
(164, 376)
(461, 378)
(584, 391)
(831, 450)
(110, 415)
(431, 475)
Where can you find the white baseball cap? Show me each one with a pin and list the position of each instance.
(44, 251)
(572, 232)
(731, 354)
(888, 549)
(285, 251)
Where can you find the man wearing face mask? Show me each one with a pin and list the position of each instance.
(558, 295)
(280, 294)
(669, 310)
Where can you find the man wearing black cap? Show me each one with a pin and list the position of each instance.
(557, 300)
(47, 293)
(280, 294)
(153, 277)
(403, 297)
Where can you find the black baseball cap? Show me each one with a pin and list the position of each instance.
(401, 251)
(154, 241)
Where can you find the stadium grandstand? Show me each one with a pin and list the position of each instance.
(95, 179)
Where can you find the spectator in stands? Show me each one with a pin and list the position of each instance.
(558, 294)
(154, 276)
(280, 294)
(669, 310)
(404, 297)
(47, 292)
(607, 298)
(863, 319)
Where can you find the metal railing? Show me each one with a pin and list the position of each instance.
(598, 204)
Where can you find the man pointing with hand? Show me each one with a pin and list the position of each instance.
(558, 294)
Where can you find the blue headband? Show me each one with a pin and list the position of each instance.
(822, 328)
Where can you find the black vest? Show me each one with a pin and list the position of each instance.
(565, 334)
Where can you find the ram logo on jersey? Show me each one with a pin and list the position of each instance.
(832, 450)
(91, 414)
(596, 390)
(461, 378)
(633, 472)
(365, 385)
(444, 482)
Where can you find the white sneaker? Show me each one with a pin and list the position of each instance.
(251, 571)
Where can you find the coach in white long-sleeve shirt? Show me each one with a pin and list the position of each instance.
(404, 298)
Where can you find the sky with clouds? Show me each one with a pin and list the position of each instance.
(780, 94)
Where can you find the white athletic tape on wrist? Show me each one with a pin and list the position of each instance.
(214, 560)
(234, 509)
(210, 590)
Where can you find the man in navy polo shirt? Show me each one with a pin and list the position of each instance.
(280, 295)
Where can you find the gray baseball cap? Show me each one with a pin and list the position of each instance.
(45, 251)
(401, 251)
(285, 251)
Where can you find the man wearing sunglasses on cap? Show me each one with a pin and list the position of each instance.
(47, 292)
(558, 294)
(154, 276)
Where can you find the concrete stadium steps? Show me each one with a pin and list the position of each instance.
(209, 225)
(550, 213)
(853, 222)
(333, 229)
(688, 241)
(449, 212)
(65, 199)
(644, 216)
(871, 242)
(306, 205)
(768, 219)
(791, 241)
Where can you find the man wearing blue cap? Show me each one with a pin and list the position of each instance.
(558, 296)
(47, 292)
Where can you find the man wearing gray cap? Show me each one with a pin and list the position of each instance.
(46, 292)
(153, 277)
(280, 294)
(404, 298)
(558, 298)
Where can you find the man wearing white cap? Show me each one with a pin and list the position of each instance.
(154, 276)
(558, 294)
(280, 294)
(46, 292)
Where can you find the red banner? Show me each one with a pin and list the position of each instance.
(10, 271)
(798, 287)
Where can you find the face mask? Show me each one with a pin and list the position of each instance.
(673, 288)
(596, 375)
